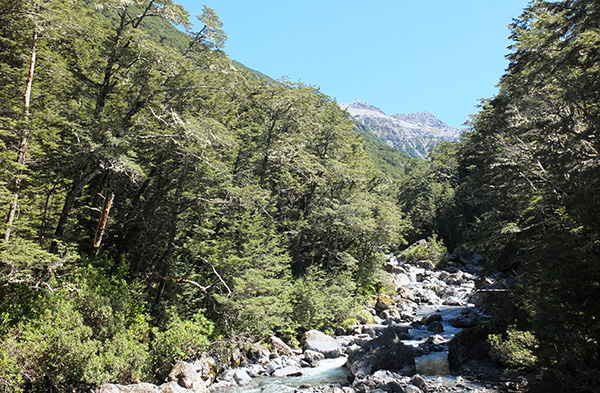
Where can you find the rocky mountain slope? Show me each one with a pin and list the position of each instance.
(414, 133)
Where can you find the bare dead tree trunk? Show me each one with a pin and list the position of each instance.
(103, 220)
(25, 136)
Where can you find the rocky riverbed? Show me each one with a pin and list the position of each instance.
(428, 336)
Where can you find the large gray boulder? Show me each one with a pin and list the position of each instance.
(288, 371)
(385, 352)
(188, 376)
(280, 347)
(315, 340)
(241, 377)
(136, 388)
(469, 344)
(313, 357)
(173, 387)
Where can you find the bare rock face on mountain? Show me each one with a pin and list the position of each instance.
(415, 133)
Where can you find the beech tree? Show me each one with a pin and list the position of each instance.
(531, 166)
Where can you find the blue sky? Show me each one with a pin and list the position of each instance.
(401, 56)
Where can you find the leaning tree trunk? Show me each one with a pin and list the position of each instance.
(24, 138)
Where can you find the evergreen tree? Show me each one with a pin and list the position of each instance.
(531, 178)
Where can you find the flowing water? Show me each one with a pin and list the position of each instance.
(434, 364)
(327, 372)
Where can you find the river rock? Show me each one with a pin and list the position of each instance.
(425, 264)
(401, 280)
(273, 365)
(468, 344)
(393, 268)
(467, 318)
(255, 370)
(289, 371)
(435, 317)
(187, 376)
(313, 357)
(280, 347)
(174, 387)
(412, 389)
(419, 382)
(391, 314)
(385, 352)
(315, 340)
(135, 388)
(242, 377)
(436, 339)
(384, 302)
(435, 327)
(206, 366)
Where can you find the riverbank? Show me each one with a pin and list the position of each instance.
(410, 340)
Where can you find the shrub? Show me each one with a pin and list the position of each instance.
(322, 302)
(182, 340)
(515, 350)
(431, 249)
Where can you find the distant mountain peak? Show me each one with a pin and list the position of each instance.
(359, 108)
(413, 133)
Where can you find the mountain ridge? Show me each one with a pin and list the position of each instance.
(414, 133)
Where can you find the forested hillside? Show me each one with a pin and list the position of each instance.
(526, 181)
(160, 198)
(162, 201)
(531, 181)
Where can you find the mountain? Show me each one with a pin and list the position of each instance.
(415, 133)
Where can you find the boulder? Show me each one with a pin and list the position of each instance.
(401, 280)
(315, 340)
(273, 365)
(384, 302)
(412, 389)
(393, 268)
(435, 327)
(391, 314)
(136, 388)
(255, 370)
(425, 264)
(313, 357)
(419, 382)
(436, 340)
(385, 352)
(468, 344)
(280, 347)
(289, 371)
(187, 376)
(435, 317)
(174, 387)
(206, 366)
(242, 377)
(467, 318)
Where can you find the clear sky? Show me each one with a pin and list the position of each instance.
(401, 56)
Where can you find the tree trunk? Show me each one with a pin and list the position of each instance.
(70, 201)
(25, 137)
(165, 261)
(103, 220)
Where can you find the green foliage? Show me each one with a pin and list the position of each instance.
(516, 350)
(427, 195)
(430, 249)
(254, 201)
(324, 302)
(258, 270)
(181, 340)
(91, 329)
(529, 186)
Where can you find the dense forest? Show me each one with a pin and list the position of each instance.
(161, 200)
